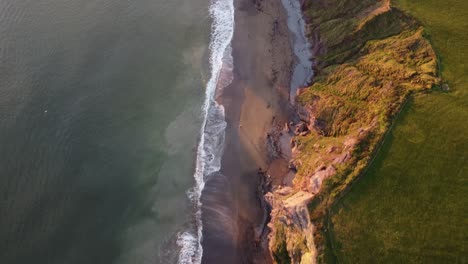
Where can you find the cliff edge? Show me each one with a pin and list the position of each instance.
(368, 59)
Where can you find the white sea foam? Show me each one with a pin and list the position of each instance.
(211, 143)
(188, 247)
(226, 74)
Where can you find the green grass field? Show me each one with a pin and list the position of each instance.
(411, 204)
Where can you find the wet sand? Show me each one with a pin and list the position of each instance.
(256, 101)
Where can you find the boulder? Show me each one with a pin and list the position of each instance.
(344, 157)
(318, 177)
(284, 191)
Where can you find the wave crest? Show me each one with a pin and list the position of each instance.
(210, 146)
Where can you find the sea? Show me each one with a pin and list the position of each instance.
(108, 128)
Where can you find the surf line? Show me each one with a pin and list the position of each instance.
(211, 144)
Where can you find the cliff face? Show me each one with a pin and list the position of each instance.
(369, 57)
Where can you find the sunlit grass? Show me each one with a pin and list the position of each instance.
(410, 206)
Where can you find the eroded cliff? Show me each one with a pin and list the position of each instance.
(368, 57)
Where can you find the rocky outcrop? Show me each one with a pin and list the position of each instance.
(293, 237)
(319, 176)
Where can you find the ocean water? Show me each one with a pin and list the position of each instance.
(101, 106)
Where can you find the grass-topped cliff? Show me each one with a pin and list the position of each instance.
(369, 58)
(410, 205)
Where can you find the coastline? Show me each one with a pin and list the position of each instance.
(234, 213)
(284, 164)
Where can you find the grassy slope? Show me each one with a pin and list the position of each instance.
(410, 205)
(369, 60)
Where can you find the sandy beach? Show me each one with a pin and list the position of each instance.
(256, 101)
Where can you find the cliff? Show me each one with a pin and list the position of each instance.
(368, 58)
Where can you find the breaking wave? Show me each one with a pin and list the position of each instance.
(210, 146)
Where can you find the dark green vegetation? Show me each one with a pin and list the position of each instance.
(410, 205)
(280, 252)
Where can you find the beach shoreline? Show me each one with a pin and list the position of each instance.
(256, 105)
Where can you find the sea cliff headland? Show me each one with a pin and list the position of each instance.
(369, 57)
